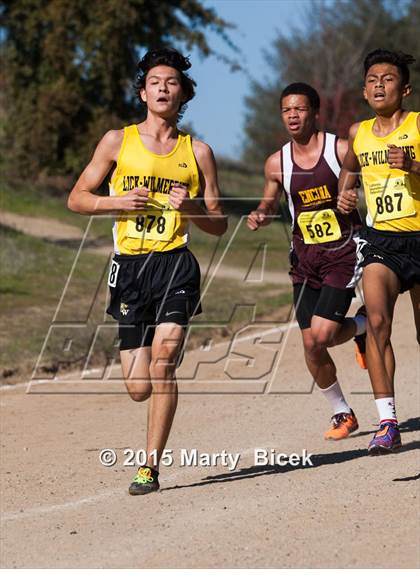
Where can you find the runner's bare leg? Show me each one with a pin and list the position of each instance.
(381, 288)
(163, 401)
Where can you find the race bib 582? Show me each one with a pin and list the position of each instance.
(319, 226)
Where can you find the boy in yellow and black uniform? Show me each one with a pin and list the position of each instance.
(392, 197)
(158, 173)
(386, 151)
(154, 278)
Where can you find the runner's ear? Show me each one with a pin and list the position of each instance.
(407, 90)
(364, 93)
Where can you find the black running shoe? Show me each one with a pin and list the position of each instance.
(144, 482)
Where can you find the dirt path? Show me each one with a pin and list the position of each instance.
(62, 509)
(42, 227)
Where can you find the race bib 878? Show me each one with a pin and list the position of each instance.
(153, 224)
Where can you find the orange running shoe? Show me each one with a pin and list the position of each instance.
(360, 343)
(342, 425)
(360, 350)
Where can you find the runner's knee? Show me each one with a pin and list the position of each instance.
(163, 364)
(322, 338)
(140, 396)
(311, 345)
(379, 324)
(139, 390)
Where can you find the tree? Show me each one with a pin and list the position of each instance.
(68, 72)
(328, 53)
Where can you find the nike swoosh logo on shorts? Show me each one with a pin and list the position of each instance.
(173, 312)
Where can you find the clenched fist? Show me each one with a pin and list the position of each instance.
(347, 201)
(398, 159)
(257, 218)
(134, 200)
(179, 197)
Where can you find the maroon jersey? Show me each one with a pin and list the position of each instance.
(312, 197)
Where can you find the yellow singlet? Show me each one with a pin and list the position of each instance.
(159, 227)
(392, 195)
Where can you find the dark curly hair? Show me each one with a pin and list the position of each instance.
(302, 89)
(398, 58)
(172, 58)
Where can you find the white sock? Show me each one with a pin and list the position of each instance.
(386, 409)
(336, 399)
(360, 322)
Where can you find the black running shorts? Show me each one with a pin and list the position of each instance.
(399, 251)
(147, 290)
(327, 302)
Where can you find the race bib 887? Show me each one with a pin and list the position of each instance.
(390, 200)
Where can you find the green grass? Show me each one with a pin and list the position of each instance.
(25, 200)
(239, 246)
(238, 184)
(33, 274)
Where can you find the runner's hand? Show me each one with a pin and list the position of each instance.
(134, 200)
(179, 197)
(347, 201)
(256, 219)
(398, 159)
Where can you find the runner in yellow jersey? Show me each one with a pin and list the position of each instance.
(386, 152)
(157, 174)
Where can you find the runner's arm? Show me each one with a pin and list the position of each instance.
(82, 198)
(349, 174)
(342, 148)
(271, 196)
(210, 219)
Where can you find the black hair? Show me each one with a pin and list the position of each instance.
(302, 89)
(398, 58)
(172, 58)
